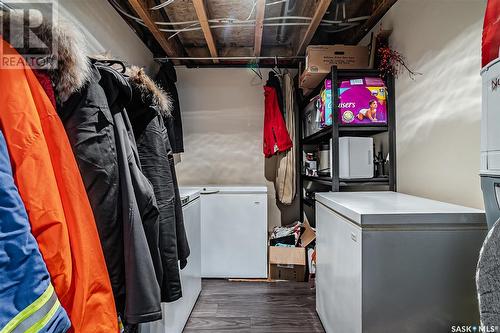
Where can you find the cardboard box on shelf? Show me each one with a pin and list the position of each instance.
(310, 81)
(320, 58)
(287, 263)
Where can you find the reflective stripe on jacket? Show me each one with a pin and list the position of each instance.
(27, 298)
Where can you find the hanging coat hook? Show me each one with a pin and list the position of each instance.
(276, 68)
(257, 72)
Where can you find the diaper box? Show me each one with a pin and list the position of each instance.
(363, 101)
(326, 104)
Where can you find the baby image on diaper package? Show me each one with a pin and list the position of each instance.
(363, 102)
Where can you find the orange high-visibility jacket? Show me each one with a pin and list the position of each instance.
(51, 187)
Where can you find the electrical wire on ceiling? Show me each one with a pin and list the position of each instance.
(182, 30)
(275, 2)
(253, 9)
(5, 6)
(267, 4)
(338, 25)
(162, 5)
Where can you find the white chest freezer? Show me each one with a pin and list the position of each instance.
(490, 141)
(176, 314)
(490, 122)
(234, 231)
(390, 262)
(490, 131)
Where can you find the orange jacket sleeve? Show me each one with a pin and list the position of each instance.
(50, 185)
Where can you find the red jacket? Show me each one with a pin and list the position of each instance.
(276, 137)
(491, 32)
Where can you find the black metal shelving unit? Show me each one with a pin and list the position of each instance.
(337, 130)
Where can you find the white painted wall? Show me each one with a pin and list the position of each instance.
(106, 31)
(438, 113)
(223, 117)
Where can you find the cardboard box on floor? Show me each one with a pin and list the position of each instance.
(289, 263)
(320, 59)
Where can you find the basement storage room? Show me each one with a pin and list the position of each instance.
(253, 166)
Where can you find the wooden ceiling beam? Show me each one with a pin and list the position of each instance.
(358, 34)
(259, 26)
(311, 29)
(201, 12)
(170, 47)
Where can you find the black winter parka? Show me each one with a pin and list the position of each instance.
(122, 199)
(146, 111)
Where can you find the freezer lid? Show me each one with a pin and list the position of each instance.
(188, 194)
(392, 208)
(214, 189)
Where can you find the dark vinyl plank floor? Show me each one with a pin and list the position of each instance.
(255, 307)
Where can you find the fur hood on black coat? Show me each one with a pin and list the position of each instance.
(68, 67)
(147, 92)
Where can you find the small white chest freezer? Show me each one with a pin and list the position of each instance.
(390, 262)
(355, 157)
(234, 232)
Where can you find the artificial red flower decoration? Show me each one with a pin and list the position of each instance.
(392, 63)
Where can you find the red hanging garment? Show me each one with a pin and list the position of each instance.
(491, 32)
(276, 137)
(46, 84)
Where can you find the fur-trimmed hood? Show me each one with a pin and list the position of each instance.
(68, 67)
(147, 92)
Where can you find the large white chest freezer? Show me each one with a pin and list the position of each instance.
(490, 141)
(176, 314)
(490, 122)
(390, 262)
(234, 231)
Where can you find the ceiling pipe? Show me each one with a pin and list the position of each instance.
(232, 58)
(280, 37)
(233, 25)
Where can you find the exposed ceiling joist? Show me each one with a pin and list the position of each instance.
(170, 47)
(201, 12)
(316, 20)
(259, 26)
(376, 16)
